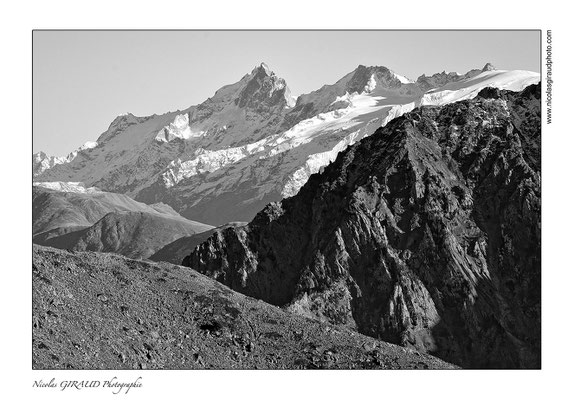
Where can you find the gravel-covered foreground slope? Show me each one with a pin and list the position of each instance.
(104, 311)
(425, 234)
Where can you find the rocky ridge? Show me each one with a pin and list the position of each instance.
(425, 234)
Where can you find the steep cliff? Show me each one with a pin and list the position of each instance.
(425, 234)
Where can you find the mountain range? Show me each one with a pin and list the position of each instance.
(251, 142)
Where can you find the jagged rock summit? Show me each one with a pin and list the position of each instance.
(425, 234)
(488, 67)
(264, 89)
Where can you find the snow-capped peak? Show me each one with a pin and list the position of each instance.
(291, 101)
(263, 89)
(262, 70)
(265, 68)
(41, 161)
(469, 87)
(123, 116)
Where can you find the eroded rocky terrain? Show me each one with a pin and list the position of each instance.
(105, 311)
(425, 234)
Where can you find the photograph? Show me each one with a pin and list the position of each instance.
(286, 199)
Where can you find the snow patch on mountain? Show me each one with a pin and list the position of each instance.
(74, 154)
(206, 161)
(371, 85)
(42, 162)
(265, 67)
(178, 129)
(304, 132)
(398, 110)
(401, 78)
(291, 101)
(314, 163)
(350, 121)
(346, 99)
(73, 187)
(469, 88)
(88, 145)
(367, 104)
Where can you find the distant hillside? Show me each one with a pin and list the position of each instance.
(107, 222)
(132, 234)
(58, 208)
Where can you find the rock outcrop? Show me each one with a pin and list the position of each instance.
(425, 234)
(176, 251)
(426, 83)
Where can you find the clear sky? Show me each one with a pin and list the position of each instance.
(84, 79)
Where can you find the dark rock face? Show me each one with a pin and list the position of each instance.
(425, 234)
(264, 91)
(488, 67)
(426, 83)
(382, 76)
(177, 250)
